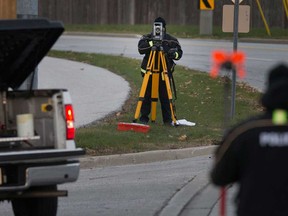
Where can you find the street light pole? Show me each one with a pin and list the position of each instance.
(235, 41)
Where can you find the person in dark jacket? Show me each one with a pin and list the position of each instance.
(255, 154)
(173, 51)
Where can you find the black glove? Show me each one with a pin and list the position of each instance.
(172, 53)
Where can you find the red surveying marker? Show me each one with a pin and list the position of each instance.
(228, 61)
(222, 59)
(122, 126)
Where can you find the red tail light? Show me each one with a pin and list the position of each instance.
(70, 129)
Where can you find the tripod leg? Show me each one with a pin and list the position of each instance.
(141, 95)
(151, 61)
(168, 87)
(154, 95)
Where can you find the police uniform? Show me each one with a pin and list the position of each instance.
(173, 51)
(255, 154)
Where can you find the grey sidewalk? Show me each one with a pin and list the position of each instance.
(95, 92)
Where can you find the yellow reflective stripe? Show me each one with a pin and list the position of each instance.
(176, 55)
(279, 117)
(151, 43)
(143, 71)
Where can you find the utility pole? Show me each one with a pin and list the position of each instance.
(28, 9)
(132, 12)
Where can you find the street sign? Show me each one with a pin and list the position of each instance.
(234, 1)
(243, 21)
(206, 4)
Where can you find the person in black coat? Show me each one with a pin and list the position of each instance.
(255, 154)
(173, 51)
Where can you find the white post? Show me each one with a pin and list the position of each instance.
(206, 22)
(28, 9)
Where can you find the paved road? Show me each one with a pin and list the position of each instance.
(168, 188)
(197, 53)
(141, 189)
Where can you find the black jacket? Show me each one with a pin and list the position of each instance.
(255, 154)
(168, 43)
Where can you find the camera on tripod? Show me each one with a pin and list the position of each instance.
(158, 31)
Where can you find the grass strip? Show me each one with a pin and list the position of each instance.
(200, 100)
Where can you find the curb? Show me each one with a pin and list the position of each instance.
(194, 188)
(144, 157)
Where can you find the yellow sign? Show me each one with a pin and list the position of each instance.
(206, 4)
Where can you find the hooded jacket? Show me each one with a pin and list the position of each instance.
(255, 154)
(169, 42)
